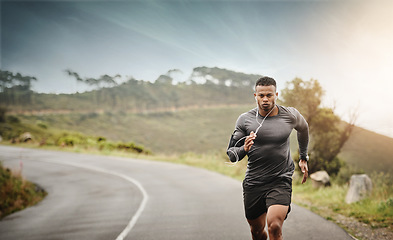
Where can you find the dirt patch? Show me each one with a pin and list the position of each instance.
(361, 230)
(358, 230)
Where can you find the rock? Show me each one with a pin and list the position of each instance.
(320, 179)
(25, 137)
(359, 187)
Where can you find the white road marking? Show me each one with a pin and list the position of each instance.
(142, 205)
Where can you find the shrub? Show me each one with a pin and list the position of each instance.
(382, 185)
(42, 125)
(108, 146)
(132, 147)
(345, 173)
(384, 205)
(71, 140)
(13, 119)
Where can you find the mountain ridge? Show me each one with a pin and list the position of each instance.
(139, 95)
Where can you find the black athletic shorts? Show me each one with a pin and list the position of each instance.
(258, 200)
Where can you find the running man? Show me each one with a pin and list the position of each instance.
(263, 135)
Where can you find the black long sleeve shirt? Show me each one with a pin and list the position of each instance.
(269, 158)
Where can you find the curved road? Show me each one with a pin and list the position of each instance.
(96, 197)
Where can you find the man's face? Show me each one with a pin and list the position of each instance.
(265, 97)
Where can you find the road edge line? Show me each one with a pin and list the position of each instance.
(142, 205)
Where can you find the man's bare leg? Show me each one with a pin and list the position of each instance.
(275, 219)
(257, 227)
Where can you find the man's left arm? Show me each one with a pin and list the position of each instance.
(303, 138)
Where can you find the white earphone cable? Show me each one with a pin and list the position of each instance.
(256, 131)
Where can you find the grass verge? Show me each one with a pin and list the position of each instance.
(17, 193)
(376, 210)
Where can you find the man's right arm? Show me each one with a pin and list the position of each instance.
(235, 150)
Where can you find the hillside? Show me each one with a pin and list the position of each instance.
(202, 130)
(369, 151)
(194, 116)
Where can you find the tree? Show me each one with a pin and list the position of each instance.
(164, 79)
(15, 88)
(305, 96)
(328, 133)
(102, 81)
(3, 111)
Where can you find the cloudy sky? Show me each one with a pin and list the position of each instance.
(346, 45)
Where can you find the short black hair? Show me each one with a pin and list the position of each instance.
(266, 81)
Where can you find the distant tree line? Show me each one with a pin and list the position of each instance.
(15, 89)
(205, 86)
(103, 81)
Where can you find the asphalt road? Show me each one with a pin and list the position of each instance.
(96, 197)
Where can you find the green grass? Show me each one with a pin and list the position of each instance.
(376, 210)
(16, 193)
